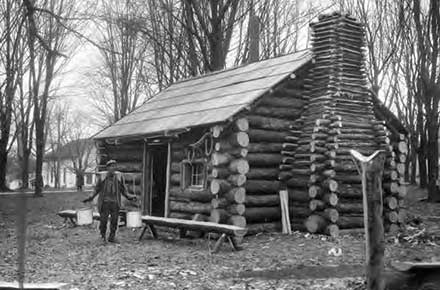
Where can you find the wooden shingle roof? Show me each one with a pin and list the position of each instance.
(208, 99)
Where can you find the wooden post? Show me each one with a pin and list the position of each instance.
(371, 168)
(167, 184)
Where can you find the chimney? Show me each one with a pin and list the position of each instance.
(339, 116)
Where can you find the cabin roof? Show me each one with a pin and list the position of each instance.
(208, 99)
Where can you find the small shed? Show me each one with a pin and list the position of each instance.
(221, 146)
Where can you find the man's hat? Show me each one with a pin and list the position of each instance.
(110, 162)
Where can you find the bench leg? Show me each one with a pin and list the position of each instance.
(218, 243)
(182, 233)
(72, 220)
(143, 232)
(234, 244)
(153, 231)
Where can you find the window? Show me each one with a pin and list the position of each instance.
(89, 178)
(193, 174)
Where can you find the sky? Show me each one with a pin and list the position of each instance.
(76, 86)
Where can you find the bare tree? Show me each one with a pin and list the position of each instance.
(124, 56)
(11, 27)
(49, 25)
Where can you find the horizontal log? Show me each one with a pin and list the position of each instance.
(190, 207)
(236, 209)
(129, 166)
(352, 207)
(283, 100)
(330, 214)
(316, 224)
(297, 195)
(236, 195)
(330, 199)
(332, 230)
(124, 155)
(219, 159)
(218, 215)
(241, 124)
(259, 135)
(220, 186)
(262, 186)
(175, 179)
(220, 172)
(298, 213)
(237, 220)
(262, 173)
(298, 182)
(256, 228)
(268, 123)
(264, 159)
(349, 222)
(219, 203)
(278, 112)
(238, 139)
(262, 200)
(240, 166)
(391, 202)
(392, 216)
(237, 179)
(330, 184)
(391, 187)
(316, 204)
(181, 215)
(175, 167)
(202, 195)
(315, 191)
(262, 214)
(350, 191)
(265, 147)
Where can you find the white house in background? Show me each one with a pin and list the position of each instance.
(76, 154)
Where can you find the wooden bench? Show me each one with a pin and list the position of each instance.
(70, 215)
(227, 232)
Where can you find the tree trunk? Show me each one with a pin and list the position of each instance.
(433, 192)
(421, 153)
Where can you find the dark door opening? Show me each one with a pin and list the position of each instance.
(158, 184)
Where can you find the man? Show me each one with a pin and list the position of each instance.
(109, 200)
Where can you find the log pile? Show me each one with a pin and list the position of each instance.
(228, 174)
(339, 116)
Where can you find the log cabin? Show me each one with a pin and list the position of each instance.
(221, 146)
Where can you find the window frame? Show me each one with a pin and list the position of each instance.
(188, 174)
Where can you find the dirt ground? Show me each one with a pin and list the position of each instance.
(58, 253)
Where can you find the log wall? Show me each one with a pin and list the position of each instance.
(129, 165)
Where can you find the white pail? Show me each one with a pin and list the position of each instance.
(134, 219)
(84, 216)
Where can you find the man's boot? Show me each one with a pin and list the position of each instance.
(112, 239)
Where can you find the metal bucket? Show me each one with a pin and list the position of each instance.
(134, 219)
(84, 216)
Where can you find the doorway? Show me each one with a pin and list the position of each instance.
(155, 180)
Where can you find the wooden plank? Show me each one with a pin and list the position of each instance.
(30, 286)
(194, 225)
(167, 182)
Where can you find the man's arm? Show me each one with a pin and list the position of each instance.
(123, 190)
